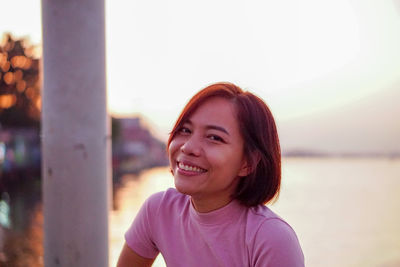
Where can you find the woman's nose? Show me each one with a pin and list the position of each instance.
(191, 147)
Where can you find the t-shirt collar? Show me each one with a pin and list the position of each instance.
(225, 214)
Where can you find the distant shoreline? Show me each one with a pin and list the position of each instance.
(316, 154)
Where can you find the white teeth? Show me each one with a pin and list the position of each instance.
(190, 168)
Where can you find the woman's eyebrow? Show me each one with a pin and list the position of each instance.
(211, 127)
(218, 128)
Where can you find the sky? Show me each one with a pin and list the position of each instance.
(329, 70)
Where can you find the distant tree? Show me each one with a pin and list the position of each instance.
(20, 101)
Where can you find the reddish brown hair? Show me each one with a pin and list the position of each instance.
(261, 142)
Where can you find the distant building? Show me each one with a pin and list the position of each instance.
(135, 148)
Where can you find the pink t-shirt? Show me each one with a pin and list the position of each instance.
(231, 236)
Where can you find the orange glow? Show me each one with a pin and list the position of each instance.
(38, 83)
(9, 78)
(21, 85)
(30, 92)
(27, 63)
(6, 66)
(3, 58)
(15, 61)
(18, 75)
(7, 101)
(39, 103)
(21, 62)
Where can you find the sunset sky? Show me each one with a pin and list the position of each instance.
(329, 70)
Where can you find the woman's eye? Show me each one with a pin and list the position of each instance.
(184, 130)
(215, 138)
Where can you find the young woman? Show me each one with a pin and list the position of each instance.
(225, 158)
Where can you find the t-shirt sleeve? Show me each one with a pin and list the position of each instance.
(276, 244)
(139, 236)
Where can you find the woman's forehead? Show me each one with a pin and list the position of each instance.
(215, 111)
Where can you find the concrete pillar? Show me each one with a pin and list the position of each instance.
(75, 135)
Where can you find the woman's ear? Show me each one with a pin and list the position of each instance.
(249, 164)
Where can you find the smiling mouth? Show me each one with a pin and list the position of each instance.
(190, 168)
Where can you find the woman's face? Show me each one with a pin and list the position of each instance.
(206, 154)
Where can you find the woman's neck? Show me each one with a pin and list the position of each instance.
(204, 205)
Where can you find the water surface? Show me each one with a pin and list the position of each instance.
(346, 212)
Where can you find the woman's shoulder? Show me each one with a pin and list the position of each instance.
(263, 219)
(259, 214)
(269, 232)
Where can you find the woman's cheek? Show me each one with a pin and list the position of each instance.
(172, 150)
(172, 146)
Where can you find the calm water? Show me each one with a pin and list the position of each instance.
(346, 213)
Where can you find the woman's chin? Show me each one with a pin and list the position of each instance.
(183, 188)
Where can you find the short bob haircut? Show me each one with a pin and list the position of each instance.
(261, 142)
